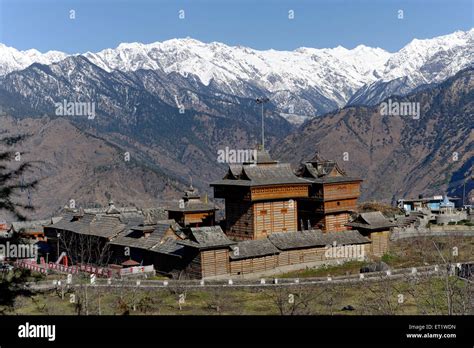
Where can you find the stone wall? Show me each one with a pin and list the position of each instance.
(434, 231)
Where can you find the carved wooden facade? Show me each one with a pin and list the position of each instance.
(332, 196)
(262, 210)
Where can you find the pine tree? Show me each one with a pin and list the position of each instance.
(11, 178)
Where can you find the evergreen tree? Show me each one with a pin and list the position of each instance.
(11, 178)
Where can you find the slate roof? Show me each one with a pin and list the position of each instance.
(319, 173)
(153, 241)
(314, 238)
(253, 248)
(371, 221)
(169, 246)
(193, 207)
(106, 226)
(262, 156)
(345, 238)
(261, 175)
(296, 240)
(209, 237)
(126, 239)
(28, 226)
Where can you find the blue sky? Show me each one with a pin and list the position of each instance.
(260, 24)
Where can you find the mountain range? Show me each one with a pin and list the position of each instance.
(399, 156)
(173, 105)
(301, 84)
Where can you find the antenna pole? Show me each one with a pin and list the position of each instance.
(262, 101)
(263, 131)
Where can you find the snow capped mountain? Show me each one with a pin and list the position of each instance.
(450, 53)
(421, 62)
(12, 59)
(300, 83)
(334, 73)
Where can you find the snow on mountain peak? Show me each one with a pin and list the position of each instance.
(332, 74)
(12, 59)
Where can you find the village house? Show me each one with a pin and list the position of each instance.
(421, 203)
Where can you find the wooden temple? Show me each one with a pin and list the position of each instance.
(260, 198)
(332, 196)
(264, 197)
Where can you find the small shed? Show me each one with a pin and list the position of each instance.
(212, 246)
(375, 226)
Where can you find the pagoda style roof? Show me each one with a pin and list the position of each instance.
(191, 202)
(374, 220)
(262, 172)
(324, 172)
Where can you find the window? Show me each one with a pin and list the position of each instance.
(263, 212)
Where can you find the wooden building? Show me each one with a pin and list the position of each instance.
(253, 256)
(32, 230)
(376, 227)
(332, 196)
(209, 247)
(150, 244)
(191, 211)
(260, 198)
(291, 249)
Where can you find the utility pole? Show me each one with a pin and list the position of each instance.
(262, 101)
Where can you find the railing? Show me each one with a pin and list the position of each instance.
(437, 270)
